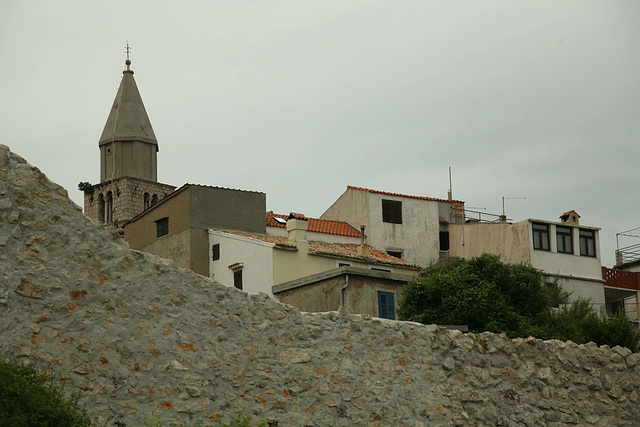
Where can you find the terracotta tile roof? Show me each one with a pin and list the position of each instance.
(433, 199)
(341, 228)
(278, 240)
(350, 251)
(337, 250)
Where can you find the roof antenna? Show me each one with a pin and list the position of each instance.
(509, 198)
(450, 192)
(127, 49)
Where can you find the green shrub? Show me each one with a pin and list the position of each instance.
(30, 398)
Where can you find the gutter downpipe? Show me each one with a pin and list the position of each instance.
(342, 289)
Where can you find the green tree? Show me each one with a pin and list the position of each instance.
(486, 294)
(483, 293)
(31, 398)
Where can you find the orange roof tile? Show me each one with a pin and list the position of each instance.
(338, 250)
(340, 228)
(433, 199)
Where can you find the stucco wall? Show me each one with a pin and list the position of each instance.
(142, 232)
(361, 295)
(510, 241)
(257, 272)
(353, 207)
(139, 337)
(215, 207)
(418, 237)
(175, 246)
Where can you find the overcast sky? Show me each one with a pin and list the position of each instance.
(298, 99)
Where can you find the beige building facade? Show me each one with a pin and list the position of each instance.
(414, 228)
(176, 227)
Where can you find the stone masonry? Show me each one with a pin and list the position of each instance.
(128, 197)
(140, 337)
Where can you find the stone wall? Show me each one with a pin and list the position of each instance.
(139, 337)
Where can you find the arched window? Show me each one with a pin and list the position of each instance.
(147, 201)
(101, 208)
(109, 208)
(154, 199)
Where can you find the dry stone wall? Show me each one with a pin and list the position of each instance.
(141, 337)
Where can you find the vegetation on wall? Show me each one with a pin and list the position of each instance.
(486, 294)
(32, 398)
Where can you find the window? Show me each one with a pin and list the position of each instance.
(162, 227)
(540, 236)
(146, 201)
(154, 199)
(343, 263)
(378, 268)
(386, 305)
(237, 278)
(587, 243)
(564, 238)
(444, 240)
(396, 254)
(108, 209)
(101, 207)
(392, 211)
(215, 252)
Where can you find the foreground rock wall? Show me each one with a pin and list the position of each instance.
(140, 337)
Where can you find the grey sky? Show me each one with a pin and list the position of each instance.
(298, 99)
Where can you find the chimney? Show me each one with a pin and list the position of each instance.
(297, 231)
(363, 249)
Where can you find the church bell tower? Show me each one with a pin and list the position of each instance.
(128, 160)
(128, 146)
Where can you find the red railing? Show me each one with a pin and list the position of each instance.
(621, 279)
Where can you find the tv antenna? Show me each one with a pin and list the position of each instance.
(509, 198)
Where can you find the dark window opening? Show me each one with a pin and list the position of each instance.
(101, 207)
(396, 254)
(162, 227)
(540, 236)
(108, 208)
(154, 199)
(386, 305)
(587, 243)
(343, 264)
(444, 240)
(215, 250)
(237, 279)
(392, 211)
(564, 239)
(147, 201)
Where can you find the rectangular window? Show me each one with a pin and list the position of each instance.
(587, 243)
(237, 279)
(215, 252)
(386, 305)
(392, 211)
(540, 236)
(162, 227)
(564, 239)
(396, 254)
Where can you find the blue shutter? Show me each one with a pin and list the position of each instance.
(386, 305)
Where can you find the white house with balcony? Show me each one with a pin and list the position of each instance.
(565, 251)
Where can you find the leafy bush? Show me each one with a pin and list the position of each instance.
(30, 398)
(487, 295)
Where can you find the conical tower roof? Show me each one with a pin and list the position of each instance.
(128, 120)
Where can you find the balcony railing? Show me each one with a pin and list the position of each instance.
(621, 279)
(628, 254)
